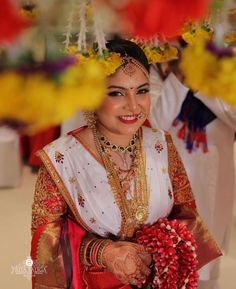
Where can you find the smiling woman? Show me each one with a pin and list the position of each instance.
(127, 103)
(99, 184)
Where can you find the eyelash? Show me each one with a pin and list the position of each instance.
(115, 93)
(118, 93)
(143, 91)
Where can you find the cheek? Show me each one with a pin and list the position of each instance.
(109, 107)
(145, 103)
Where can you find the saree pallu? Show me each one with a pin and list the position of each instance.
(55, 248)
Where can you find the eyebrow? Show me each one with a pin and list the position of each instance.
(121, 87)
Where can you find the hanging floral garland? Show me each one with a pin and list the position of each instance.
(36, 94)
(155, 51)
(214, 61)
(86, 50)
(214, 70)
(34, 97)
(195, 32)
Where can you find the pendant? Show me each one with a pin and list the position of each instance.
(141, 214)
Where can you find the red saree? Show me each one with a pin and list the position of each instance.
(58, 231)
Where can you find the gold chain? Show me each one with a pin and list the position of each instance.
(134, 211)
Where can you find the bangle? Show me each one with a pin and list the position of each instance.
(94, 252)
(91, 251)
(100, 252)
(85, 250)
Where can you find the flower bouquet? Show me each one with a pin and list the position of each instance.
(173, 251)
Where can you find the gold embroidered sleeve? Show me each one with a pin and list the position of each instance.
(180, 183)
(48, 205)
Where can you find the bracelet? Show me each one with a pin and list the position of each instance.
(91, 251)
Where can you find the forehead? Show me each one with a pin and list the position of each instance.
(121, 78)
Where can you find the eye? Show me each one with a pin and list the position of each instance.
(143, 91)
(115, 93)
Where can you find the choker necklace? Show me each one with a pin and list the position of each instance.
(114, 147)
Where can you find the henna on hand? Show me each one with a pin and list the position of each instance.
(127, 261)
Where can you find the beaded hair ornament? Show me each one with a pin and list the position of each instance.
(129, 66)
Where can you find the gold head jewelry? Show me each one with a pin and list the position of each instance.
(129, 66)
(90, 118)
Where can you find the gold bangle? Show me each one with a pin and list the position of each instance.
(94, 252)
(85, 249)
(100, 252)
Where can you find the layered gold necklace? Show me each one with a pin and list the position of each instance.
(133, 209)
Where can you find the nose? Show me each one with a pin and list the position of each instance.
(132, 102)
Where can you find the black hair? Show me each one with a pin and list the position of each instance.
(128, 48)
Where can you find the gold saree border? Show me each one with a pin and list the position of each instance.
(184, 197)
(62, 188)
(48, 242)
(183, 194)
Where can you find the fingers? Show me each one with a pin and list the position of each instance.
(145, 270)
(139, 248)
(142, 271)
(129, 263)
(146, 258)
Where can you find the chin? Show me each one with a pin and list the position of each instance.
(130, 130)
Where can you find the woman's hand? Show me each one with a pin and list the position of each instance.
(127, 261)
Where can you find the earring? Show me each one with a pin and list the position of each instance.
(142, 115)
(90, 118)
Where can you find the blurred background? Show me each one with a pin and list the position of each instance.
(53, 55)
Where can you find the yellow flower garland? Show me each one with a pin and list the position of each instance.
(109, 61)
(39, 101)
(195, 32)
(209, 74)
(160, 54)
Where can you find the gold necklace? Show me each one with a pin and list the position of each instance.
(134, 211)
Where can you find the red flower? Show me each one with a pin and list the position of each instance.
(11, 22)
(164, 18)
(173, 250)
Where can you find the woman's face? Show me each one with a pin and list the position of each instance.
(127, 102)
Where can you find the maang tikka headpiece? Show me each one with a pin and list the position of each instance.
(130, 64)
